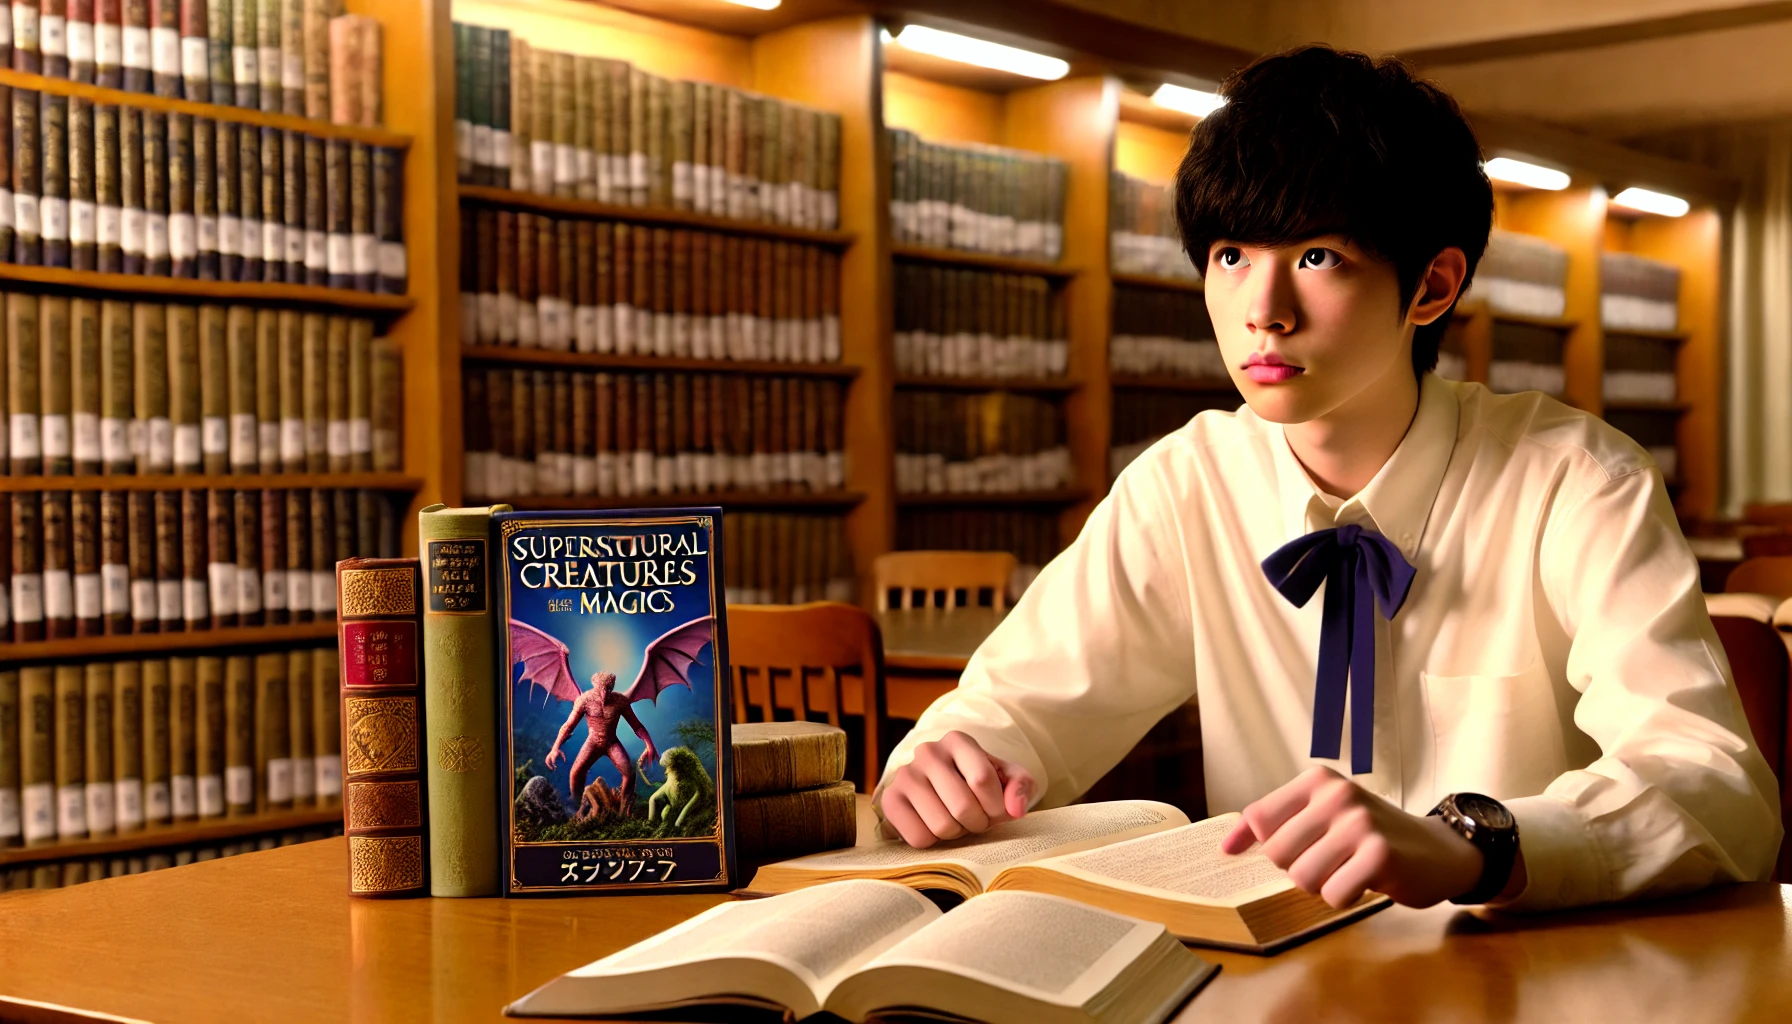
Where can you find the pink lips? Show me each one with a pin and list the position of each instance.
(1270, 369)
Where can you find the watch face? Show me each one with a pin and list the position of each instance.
(1483, 811)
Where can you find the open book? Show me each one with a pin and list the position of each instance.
(865, 948)
(1135, 857)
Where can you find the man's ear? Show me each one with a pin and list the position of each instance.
(1439, 287)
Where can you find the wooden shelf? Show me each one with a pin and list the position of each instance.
(728, 500)
(1632, 405)
(505, 355)
(491, 196)
(1167, 284)
(184, 833)
(160, 643)
(215, 111)
(1065, 496)
(1642, 332)
(1555, 323)
(211, 481)
(1029, 385)
(981, 261)
(146, 287)
(1199, 385)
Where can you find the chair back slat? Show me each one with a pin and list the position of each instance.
(942, 579)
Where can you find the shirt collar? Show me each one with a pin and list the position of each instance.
(1398, 501)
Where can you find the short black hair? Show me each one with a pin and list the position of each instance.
(1317, 141)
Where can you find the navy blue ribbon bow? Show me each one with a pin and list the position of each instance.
(1352, 562)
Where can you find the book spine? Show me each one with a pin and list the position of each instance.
(247, 525)
(292, 204)
(273, 558)
(364, 246)
(292, 392)
(317, 237)
(55, 388)
(382, 712)
(89, 604)
(774, 826)
(165, 47)
(158, 799)
(370, 72)
(460, 700)
(183, 738)
(71, 752)
(267, 53)
(360, 396)
(327, 731)
(83, 226)
(151, 435)
(211, 732)
(214, 389)
(27, 178)
(222, 586)
(37, 753)
(299, 718)
(11, 831)
(387, 411)
(522, 123)
(316, 51)
(58, 568)
(267, 390)
(239, 741)
(168, 561)
(195, 605)
(183, 227)
(195, 50)
(108, 43)
(316, 394)
(388, 220)
(273, 210)
(250, 217)
(156, 167)
(273, 733)
(246, 33)
(321, 518)
(184, 387)
(344, 66)
(338, 453)
(115, 562)
(8, 206)
(242, 433)
(25, 34)
(127, 744)
(133, 216)
(227, 183)
(292, 56)
(205, 198)
(339, 255)
(140, 524)
(137, 59)
(220, 54)
(298, 555)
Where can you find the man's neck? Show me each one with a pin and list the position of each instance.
(1344, 449)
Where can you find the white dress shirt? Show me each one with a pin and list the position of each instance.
(1554, 651)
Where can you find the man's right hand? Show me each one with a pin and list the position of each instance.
(952, 788)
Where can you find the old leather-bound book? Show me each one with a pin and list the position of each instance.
(380, 601)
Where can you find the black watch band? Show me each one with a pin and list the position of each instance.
(1486, 823)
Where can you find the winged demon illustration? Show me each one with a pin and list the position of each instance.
(666, 662)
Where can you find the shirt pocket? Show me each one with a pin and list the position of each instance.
(1494, 734)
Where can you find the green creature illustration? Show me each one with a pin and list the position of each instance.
(687, 794)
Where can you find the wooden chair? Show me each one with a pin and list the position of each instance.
(821, 660)
(1771, 575)
(942, 579)
(1759, 663)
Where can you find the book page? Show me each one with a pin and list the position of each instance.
(1039, 834)
(815, 932)
(1048, 946)
(1185, 863)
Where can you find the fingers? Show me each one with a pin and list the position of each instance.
(981, 776)
(1240, 839)
(900, 816)
(1018, 789)
(1320, 861)
(1271, 812)
(951, 788)
(1358, 874)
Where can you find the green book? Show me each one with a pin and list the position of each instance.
(460, 699)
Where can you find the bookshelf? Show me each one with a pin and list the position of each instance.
(94, 648)
(181, 833)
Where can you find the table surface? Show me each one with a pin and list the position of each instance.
(272, 936)
(934, 639)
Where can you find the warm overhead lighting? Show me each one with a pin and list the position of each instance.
(1188, 101)
(1519, 172)
(1652, 202)
(982, 53)
(757, 5)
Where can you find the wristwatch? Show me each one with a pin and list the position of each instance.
(1485, 822)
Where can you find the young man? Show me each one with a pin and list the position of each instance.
(1529, 656)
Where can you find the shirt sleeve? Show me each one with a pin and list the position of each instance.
(1680, 797)
(1098, 649)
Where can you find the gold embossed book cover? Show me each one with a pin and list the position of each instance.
(615, 703)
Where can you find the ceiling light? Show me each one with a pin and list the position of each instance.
(757, 5)
(1652, 202)
(982, 53)
(1188, 101)
(1519, 172)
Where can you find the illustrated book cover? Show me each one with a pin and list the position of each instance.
(614, 703)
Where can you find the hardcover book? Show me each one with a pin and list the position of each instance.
(615, 703)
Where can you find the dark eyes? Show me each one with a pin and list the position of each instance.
(1319, 259)
(1230, 258)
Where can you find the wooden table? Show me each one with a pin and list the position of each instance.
(271, 936)
(925, 650)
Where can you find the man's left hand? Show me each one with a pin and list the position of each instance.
(1338, 840)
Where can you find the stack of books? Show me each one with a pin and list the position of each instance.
(589, 128)
(594, 286)
(977, 323)
(789, 797)
(1142, 235)
(1145, 417)
(1527, 357)
(1638, 294)
(1164, 333)
(1521, 274)
(786, 558)
(1032, 537)
(1007, 202)
(992, 443)
(103, 748)
(566, 432)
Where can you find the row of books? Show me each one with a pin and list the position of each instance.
(104, 386)
(1637, 293)
(1163, 332)
(118, 190)
(555, 123)
(565, 432)
(1142, 418)
(1032, 537)
(87, 563)
(1521, 274)
(300, 57)
(977, 323)
(785, 558)
(1009, 202)
(111, 746)
(1142, 235)
(996, 442)
(60, 874)
(594, 286)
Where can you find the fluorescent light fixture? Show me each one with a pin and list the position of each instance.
(757, 5)
(982, 53)
(1188, 101)
(1519, 172)
(1652, 202)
